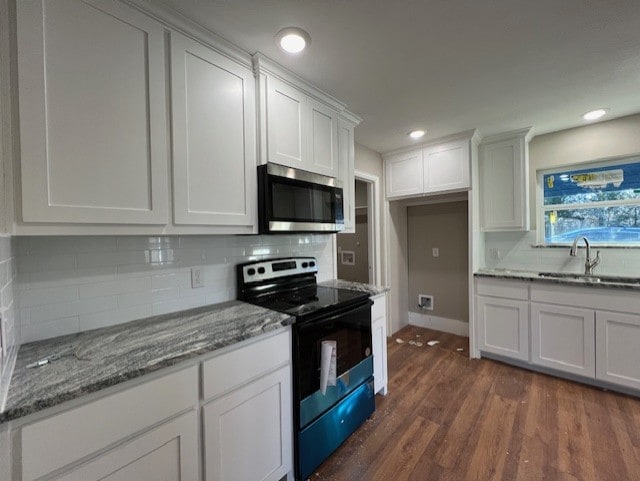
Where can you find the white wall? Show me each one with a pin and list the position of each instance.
(72, 284)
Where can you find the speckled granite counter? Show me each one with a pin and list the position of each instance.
(356, 286)
(93, 360)
(596, 280)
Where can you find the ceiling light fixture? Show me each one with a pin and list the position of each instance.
(293, 40)
(416, 134)
(594, 114)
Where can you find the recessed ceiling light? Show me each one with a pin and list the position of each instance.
(293, 39)
(594, 114)
(416, 134)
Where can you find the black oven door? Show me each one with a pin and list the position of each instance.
(351, 329)
(298, 201)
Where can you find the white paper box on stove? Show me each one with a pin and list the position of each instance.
(328, 365)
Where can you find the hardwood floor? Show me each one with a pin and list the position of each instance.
(450, 418)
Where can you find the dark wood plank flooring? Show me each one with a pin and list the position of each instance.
(450, 418)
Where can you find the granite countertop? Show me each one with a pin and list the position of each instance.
(93, 360)
(604, 281)
(355, 286)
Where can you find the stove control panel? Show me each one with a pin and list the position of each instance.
(275, 268)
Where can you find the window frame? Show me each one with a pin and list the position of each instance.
(560, 169)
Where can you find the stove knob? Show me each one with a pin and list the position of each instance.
(312, 264)
(261, 270)
(304, 265)
(251, 271)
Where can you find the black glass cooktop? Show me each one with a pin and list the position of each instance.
(310, 300)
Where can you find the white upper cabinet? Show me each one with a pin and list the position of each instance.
(93, 118)
(214, 138)
(323, 139)
(299, 123)
(405, 174)
(438, 166)
(446, 167)
(504, 182)
(346, 165)
(286, 124)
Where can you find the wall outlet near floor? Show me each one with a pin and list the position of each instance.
(425, 302)
(197, 277)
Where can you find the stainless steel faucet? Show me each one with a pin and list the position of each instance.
(589, 264)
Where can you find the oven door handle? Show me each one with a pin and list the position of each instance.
(320, 321)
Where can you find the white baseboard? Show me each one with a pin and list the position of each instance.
(452, 326)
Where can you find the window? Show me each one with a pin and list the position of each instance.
(600, 202)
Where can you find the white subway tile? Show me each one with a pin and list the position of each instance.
(165, 294)
(137, 270)
(49, 295)
(71, 277)
(188, 257)
(98, 259)
(110, 318)
(203, 242)
(135, 299)
(181, 278)
(59, 327)
(45, 262)
(67, 309)
(131, 243)
(111, 288)
(180, 304)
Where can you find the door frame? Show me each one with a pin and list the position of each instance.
(373, 221)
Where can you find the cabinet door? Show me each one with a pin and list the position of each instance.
(323, 139)
(92, 113)
(286, 124)
(617, 348)
(346, 163)
(404, 174)
(563, 338)
(168, 452)
(504, 190)
(214, 139)
(446, 167)
(504, 326)
(248, 433)
(379, 342)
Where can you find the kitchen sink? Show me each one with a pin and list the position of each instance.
(590, 278)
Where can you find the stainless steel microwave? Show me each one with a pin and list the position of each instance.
(293, 200)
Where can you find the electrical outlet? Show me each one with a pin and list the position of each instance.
(495, 253)
(425, 302)
(435, 252)
(197, 277)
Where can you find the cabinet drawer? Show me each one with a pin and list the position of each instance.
(378, 309)
(57, 441)
(232, 369)
(502, 288)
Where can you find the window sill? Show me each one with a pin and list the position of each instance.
(598, 246)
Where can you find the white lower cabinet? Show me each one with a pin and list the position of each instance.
(563, 338)
(57, 443)
(151, 431)
(247, 433)
(504, 326)
(618, 348)
(168, 453)
(379, 341)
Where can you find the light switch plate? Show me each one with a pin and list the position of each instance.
(197, 277)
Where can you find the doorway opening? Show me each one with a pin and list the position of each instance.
(358, 251)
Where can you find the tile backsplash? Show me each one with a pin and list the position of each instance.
(516, 251)
(72, 284)
(9, 329)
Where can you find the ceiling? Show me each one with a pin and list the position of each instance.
(449, 65)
